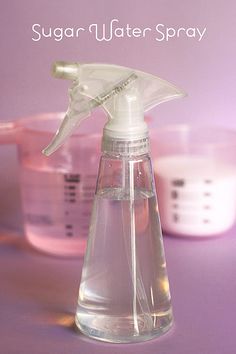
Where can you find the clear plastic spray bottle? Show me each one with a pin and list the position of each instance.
(124, 292)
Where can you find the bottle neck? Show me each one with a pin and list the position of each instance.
(125, 147)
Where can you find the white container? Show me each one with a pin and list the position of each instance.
(195, 170)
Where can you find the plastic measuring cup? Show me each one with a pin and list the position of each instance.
(57, 192)
(195, 170)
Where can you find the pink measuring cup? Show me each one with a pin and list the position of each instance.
(57, 191)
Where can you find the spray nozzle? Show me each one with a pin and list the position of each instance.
(124, 93)
(64, 70)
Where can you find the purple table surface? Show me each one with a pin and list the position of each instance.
(38, 297)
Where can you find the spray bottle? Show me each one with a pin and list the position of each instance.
(124, 291)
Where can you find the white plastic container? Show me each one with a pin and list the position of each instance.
(195, 171)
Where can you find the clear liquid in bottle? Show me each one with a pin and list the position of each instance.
(124, 291)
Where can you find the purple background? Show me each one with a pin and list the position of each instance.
(206, 69)
(201, 273)
(38, 297)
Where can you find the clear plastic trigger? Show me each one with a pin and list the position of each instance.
(78, 110)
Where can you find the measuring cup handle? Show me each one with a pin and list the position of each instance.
(8, 132)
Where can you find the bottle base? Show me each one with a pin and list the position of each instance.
(114, 329)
